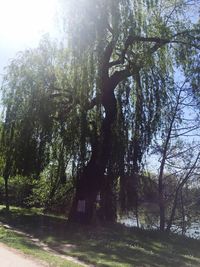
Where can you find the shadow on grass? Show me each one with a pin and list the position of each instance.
(110, 245)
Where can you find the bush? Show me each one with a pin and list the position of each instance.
(20, 188)
(30, 192)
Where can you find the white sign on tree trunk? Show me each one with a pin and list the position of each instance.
(81, 206)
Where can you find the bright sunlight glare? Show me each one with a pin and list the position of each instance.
(26, 20)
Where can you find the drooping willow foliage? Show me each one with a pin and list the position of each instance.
(128, 27)
(55, 96)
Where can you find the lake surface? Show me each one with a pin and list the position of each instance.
(193, 230)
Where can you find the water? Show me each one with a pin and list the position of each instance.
(193, 230)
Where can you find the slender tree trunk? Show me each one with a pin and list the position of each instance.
(162, 165)
(173, 211)
(90, 182)
(183, 214)
(137, 212)
(160, 184)
(6, 193)
(171, 219)
(161, 204)
(178, 190)
(60, 178)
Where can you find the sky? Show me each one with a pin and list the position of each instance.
(22, 23)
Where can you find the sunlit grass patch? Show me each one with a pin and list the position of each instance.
(23, 244)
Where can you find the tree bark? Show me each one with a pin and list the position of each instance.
(90, 181)
(171, 219)
(161, 203)
(183, 222)
(6, 194)
(108, 200)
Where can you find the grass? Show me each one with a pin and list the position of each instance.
(28, 247)
(23, 244)
(110, 245)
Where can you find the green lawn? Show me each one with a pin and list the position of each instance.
(28, 247)
(111, 245)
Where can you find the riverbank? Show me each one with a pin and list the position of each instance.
(109, 245)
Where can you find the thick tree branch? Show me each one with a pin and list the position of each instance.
(107, 55)
(159, 42)
(119, 76)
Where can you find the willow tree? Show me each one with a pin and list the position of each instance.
(109, 90)
(32, 131)
(131, 47)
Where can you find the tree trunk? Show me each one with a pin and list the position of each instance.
(178, 190)
(162, 166)
(6, 193)
(173, 211)
(90, 181)
(108, 200)
(161, 206)
(183, 223)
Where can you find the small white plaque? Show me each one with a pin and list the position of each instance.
(98, 197)
(81, 206)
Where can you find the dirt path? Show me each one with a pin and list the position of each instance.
(12, 258)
